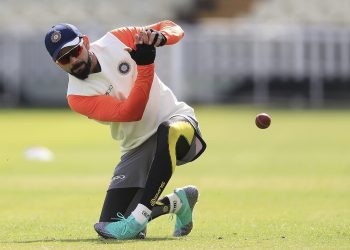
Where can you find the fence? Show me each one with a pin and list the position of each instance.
(221, 57)
(211, 62)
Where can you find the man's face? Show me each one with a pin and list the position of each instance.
(75, 60)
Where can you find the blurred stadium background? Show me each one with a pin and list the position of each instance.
(290, 53)
(287, 187)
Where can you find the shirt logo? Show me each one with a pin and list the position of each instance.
(56, 36)
(118, 177)
(109, 90)
(124, 68)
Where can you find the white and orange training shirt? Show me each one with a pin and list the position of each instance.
(129, 97)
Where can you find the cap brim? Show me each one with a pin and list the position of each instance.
(74, 42)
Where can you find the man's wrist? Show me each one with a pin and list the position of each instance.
(145, 68)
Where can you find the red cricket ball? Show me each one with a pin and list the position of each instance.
(262, 120)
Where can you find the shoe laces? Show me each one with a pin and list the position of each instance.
(120, 217)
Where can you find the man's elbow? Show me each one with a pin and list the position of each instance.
(120, 118)
(135, 115)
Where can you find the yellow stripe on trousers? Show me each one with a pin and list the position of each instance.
(176, 130)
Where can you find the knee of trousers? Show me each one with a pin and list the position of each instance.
(170, 133)
(172, 130)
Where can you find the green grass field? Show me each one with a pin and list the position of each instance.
(286, 187)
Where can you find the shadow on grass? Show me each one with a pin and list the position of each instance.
(95, 240)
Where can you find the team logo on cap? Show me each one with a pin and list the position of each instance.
(124, 68)
(56, 36)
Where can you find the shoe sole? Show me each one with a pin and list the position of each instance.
(99, 228)
(192, 198)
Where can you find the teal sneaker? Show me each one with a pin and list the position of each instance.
(184, 221)
(99, 228)
(122, 229)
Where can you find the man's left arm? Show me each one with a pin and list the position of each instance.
(172, 33)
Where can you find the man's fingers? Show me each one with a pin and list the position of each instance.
(144, 37)
(149, 33)
(159, 40)
(149, 37)
(137, 39)
(152, 37)
(128, 49)
(155, 38)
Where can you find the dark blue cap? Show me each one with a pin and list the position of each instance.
(60, 36)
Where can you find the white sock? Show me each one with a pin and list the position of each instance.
(175, 203)
(141, 213)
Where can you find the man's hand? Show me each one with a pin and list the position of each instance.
(152, 37)
(144, 54)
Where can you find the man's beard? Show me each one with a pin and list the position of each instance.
(84, 72)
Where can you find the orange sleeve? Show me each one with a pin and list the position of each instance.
(109, 109)
(169, 29)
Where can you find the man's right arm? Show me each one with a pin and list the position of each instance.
(110, 109)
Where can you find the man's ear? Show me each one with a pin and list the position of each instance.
(86, 41)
